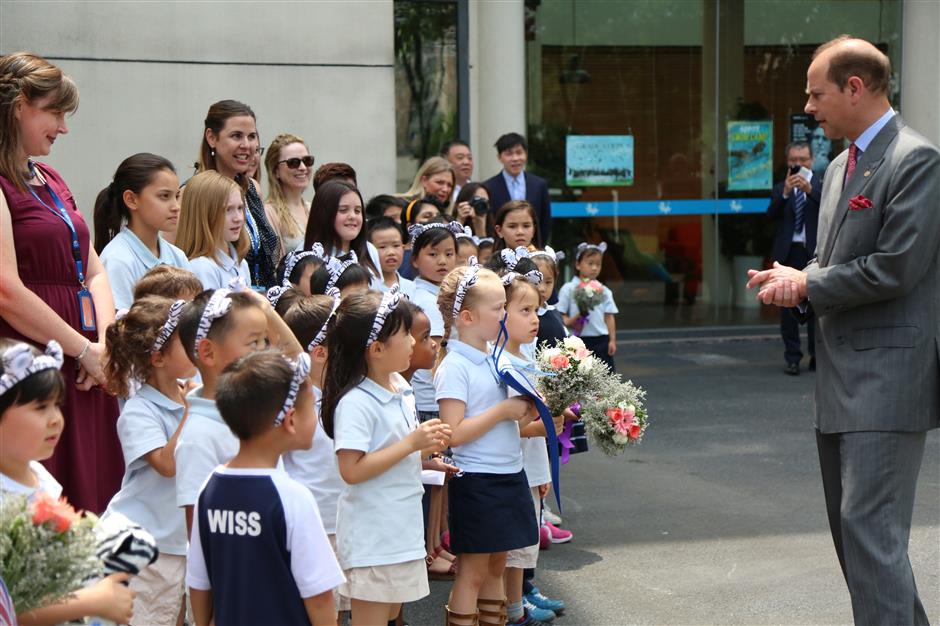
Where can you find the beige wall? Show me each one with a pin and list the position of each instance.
(322, 70)
(920, 78)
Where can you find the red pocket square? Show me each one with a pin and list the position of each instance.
(858, 203)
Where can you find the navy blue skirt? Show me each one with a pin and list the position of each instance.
(490, 513)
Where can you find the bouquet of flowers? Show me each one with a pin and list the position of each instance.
(617, 419)
(571, 374)
(47, 550)
(587, 295)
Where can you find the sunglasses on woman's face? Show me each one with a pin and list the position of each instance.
(295, 162)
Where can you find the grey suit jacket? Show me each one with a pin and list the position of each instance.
(875, 289)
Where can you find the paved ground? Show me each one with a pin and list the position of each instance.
(718, 517)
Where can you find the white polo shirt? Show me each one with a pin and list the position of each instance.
(126, 259)
(379, 521)
(405, 286)
(47, 483)
(468, 375)
(147, 422)
(422, 381)
(204, 443)
(534, 450)
(595, 325)
(317, 470)
(217, 275)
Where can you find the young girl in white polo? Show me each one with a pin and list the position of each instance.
(490, 505)
(368, 409)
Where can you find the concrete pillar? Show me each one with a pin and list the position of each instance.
(920, 58)
(498, 78)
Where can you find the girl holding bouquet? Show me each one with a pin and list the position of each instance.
(490, 504)
(31, 392)
(588, 307)
(522, 327)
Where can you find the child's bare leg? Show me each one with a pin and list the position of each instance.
(365, 613)
(474, 571)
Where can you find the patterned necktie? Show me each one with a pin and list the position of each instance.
(799, 203)
(850, 166)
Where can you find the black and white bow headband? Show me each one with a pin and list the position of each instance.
(463, 286)
(548, 253)
(172, 321)
(19, 362)
(584, 247)
(321, 334)
(416, 230)
(511, 257)
(532, 276)
(467, 233)
(274, 294)
(293, 258)
(218, 305)
(389, 303)
(335, 268)
(301, 369)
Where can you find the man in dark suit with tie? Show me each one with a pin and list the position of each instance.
(874, 288)
(514, 183)
(795, 203)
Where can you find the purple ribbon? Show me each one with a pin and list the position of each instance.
(579, 323)
(565, 437)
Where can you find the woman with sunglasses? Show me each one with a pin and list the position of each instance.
(290, 168)
(229, 144)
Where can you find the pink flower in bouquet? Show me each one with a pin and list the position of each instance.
(582, 353)
(58, 513)
(623, 421)
(596, 286)
(559, 362)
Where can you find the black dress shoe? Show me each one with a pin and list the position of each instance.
(812, 364)
(793, 369)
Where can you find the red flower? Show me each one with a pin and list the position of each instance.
(58, 513)
(857, 203)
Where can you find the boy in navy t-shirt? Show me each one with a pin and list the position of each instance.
(258, 552)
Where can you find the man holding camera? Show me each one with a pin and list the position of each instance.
(795, 202)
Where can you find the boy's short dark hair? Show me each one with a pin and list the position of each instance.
(510, 141)
(445, 149)
(192, 312)
(386, 223)
(376, 205)
(168, 281)
(251, 392)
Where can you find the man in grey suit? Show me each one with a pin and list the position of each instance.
(874, 287)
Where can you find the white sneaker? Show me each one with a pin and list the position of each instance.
(550, 516)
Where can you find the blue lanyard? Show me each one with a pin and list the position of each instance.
(63, 214)
(528, 390)
(255, 242)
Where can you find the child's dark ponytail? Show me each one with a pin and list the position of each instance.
(134, 173)
(129, 343)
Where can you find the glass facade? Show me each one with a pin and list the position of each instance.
(694, 101)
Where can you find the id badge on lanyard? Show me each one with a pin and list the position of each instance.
(86, 305)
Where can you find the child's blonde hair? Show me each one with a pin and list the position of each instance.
(448, 295)
(202, 216)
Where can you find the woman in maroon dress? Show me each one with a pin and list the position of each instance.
(46, 290)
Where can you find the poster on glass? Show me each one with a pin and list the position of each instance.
(599, 160)
(750, 150)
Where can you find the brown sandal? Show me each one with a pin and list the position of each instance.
(492, 612)
(451, 572)
(460, 619)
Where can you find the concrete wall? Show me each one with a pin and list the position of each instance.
(920, 80)
(148, 71)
